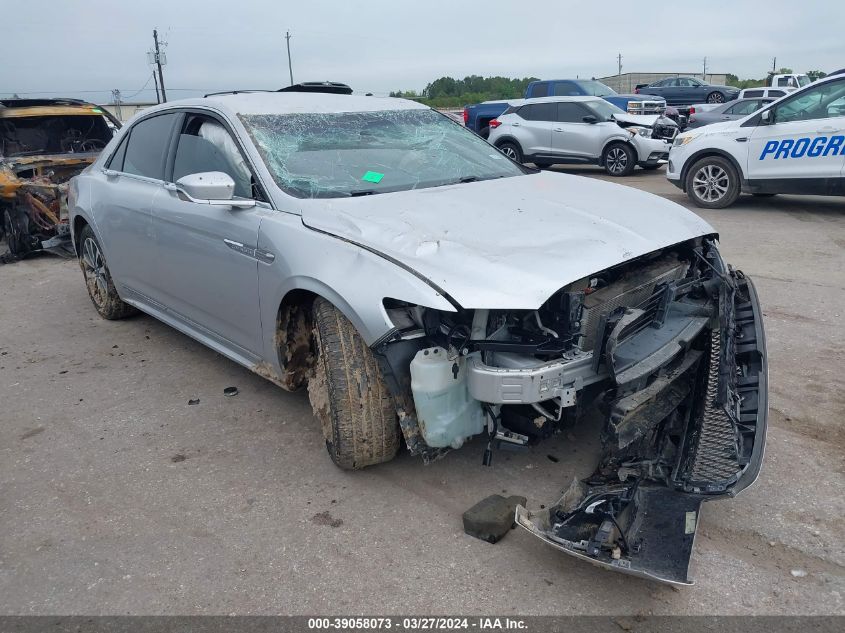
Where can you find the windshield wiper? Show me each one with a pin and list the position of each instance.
(363, 192)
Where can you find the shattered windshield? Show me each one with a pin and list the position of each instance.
(32, 135)
(362, 153)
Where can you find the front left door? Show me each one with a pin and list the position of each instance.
(206, 254)
(572, 136)
(805, 139)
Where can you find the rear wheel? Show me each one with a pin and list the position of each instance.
(484, 132)
(98, 279)
(619, 159)
(712, 183)
(511, 150)
(348, 394)
(715, 97)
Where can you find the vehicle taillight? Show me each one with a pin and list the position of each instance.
(495, 123)
(466, 115)
(692, 110)
(636, 91)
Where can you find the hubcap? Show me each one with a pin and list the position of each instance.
(711, 183)
(617, 160)
(716, 97)
(94, 269)
(509, 151)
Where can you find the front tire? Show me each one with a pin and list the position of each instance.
(98, 279)
(348, 394)
(713, 183)
(619, 159)
(512, 151)
(715, 97)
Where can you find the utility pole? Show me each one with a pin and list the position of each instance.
(290, 67)
(704, 70)
(619, 63)
(774, 65)
(116, 99)
(155, 80)
(158, 63)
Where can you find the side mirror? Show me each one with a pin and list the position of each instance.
(590, 119)
(766, 117)
(211, 187)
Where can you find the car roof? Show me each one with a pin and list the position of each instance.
(292, 103)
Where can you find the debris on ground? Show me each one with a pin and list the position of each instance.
(230, 391)
(194, 401)
(492, 517)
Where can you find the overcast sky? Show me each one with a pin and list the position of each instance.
(86, 48)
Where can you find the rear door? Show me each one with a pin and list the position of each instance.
(123, 212)
(572, 136)
(206, 254)
(535, 133)
(805, 140)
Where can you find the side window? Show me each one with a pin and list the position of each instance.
(116, 160)
(539, 112)
(148, 143)
(818, 102)
(206, 145)
(570, 113)
(753, 93)
(540, 89)
(671, 83)
(566, 89)
(775, 93)
(744, 108)
(783, 81)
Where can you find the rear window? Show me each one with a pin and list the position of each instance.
(540, 90)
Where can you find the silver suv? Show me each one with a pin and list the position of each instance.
(426, 288)
(554, 130)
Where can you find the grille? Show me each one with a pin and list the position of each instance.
(605, 300)
(647, 107)
(715, 458)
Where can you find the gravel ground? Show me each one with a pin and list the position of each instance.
(117, 496)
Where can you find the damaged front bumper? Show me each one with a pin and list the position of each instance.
(639, 512)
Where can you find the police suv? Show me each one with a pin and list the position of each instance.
(794, 145)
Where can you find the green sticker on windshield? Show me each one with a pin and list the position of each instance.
(372, 176)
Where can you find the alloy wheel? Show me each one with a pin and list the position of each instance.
(95, 271)
(509, 151)
(716, 97)
(711, 183)
(617, 160)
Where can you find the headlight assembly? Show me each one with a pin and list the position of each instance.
(641, 131)
(683, 139)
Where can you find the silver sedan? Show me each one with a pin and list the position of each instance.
(705, 114)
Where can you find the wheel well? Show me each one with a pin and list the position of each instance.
(294, 338)
(79, 223)
(706, 154)
(616, 141)
(507, 139)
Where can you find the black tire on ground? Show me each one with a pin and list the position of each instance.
(712, 183)
(715, 97)
(619, 159)
(348, 394)
(511, 150)
(16, 229)
(484, 132)
(98, 279)
(651, 167)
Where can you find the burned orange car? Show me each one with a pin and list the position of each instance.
(43, 144)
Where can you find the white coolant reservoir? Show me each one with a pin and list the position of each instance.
(446, 413)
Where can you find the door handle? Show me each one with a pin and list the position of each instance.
(515, 124)
(559, 129)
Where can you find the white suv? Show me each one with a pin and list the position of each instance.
(795, 145)
(553, 130)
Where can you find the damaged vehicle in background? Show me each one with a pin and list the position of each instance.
(43, 144)
(555, 130)
(425, 287)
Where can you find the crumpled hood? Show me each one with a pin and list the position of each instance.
(646, 120)
(508, 243)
